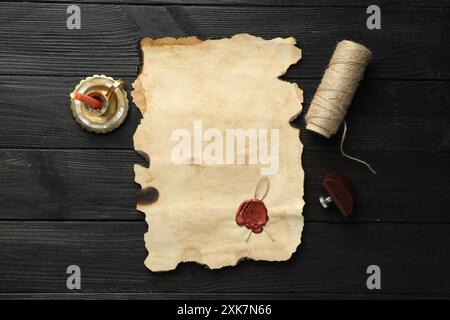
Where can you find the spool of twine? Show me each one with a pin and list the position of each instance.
(336, 90)
(339, 83)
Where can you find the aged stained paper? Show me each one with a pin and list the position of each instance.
(189, 85)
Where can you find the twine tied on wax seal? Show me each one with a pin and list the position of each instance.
(336, 90)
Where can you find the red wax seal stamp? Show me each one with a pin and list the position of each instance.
(253, 215)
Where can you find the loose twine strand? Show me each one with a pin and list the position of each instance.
(350, 157)
(336, 90)
(262, 188)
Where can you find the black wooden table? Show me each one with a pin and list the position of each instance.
(67, 197)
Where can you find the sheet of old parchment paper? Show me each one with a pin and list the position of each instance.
(207, 89)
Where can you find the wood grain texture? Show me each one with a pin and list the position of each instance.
(333, 259)
(385, 116)
(35, 40)
(99, 185)
(42, 117)
(403, 48)
(68, 196)
(278, 3)
(236, 296)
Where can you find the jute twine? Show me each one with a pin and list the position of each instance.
(337, 88)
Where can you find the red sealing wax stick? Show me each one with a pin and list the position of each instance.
(91, 101)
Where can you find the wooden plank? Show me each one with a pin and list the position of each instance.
(332, 259)
(35, 39)
(389, 116)
(278, 3)
(39, 108)
(220, 296)
(68, 185)
(99, 184)
(385, 116)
